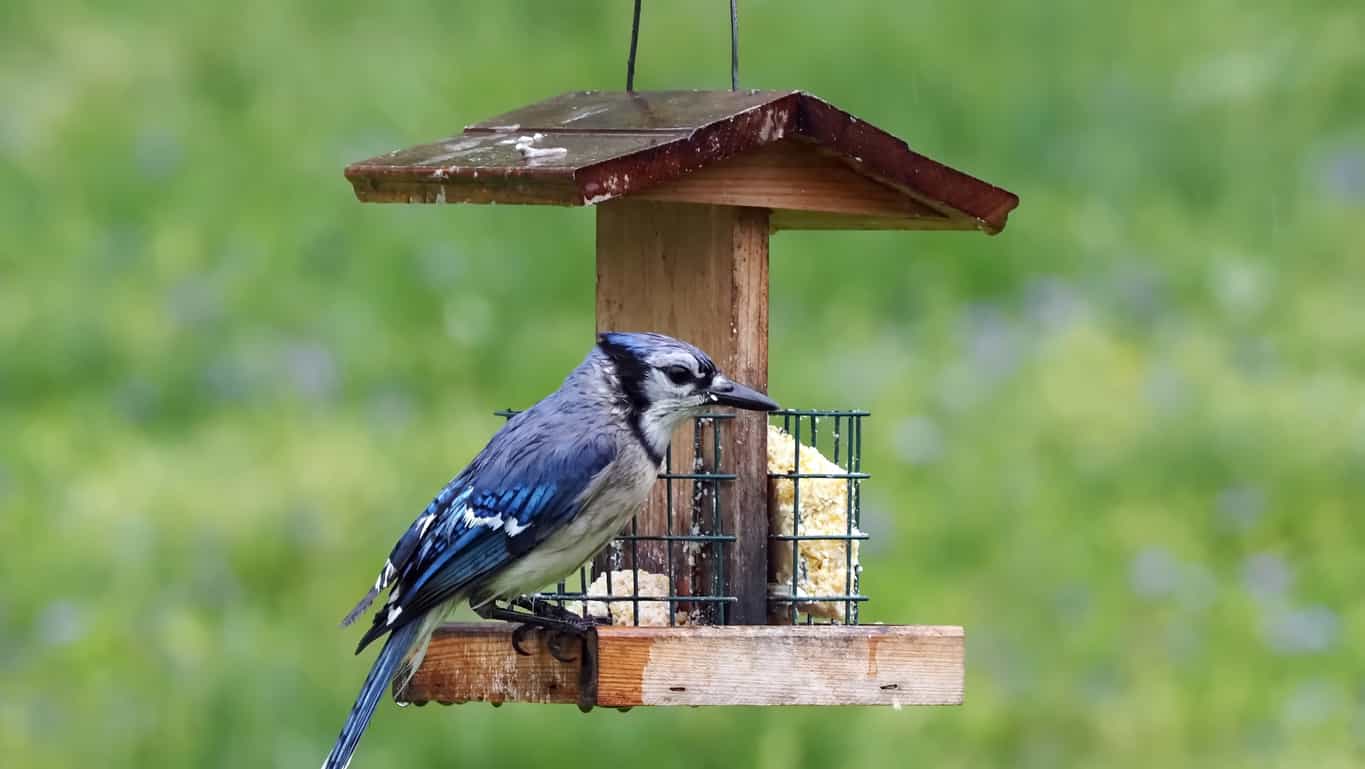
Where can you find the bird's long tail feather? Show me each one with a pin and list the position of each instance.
(388, 661)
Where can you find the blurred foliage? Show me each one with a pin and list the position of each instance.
(1123, 442)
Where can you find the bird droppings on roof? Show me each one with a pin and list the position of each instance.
(584, 113)
(613, 185)
(466, 144)
(526, 146)
(457, 149)
(771, 127)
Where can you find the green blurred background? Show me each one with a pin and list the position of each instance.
(1123, 442)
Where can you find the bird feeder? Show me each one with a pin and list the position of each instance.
(688, 188)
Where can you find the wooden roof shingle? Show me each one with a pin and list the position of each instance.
(815, 165)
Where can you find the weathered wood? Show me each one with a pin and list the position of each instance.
(700, 273)
(476, 663)
(815, 220)
(793, 176)
(591, 147)
(781, 665)
(761, 665)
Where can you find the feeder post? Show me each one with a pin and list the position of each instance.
(700, 273)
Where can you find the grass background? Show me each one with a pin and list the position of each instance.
(1123, 443)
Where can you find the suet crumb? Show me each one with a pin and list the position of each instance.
(652, 613)
(823, 565)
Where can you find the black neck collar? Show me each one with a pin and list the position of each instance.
(630, 373)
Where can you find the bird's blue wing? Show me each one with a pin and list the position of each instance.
(407, 545)
(485, 518)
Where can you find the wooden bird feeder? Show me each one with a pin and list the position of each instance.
(688, 187)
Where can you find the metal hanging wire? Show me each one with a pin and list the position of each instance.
(635, 45)
(734, 45)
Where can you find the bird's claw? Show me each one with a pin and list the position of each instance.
(556, 642)
(544, 609)
(519, 635)
(558, 639)
(559, 632)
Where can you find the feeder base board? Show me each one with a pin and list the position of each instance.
(729, 665)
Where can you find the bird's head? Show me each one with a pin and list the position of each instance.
(667, 380)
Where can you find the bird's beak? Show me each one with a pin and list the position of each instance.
(727, 393)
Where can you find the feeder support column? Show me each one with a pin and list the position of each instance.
(700, 273)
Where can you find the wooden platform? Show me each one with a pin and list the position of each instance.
(732, 665)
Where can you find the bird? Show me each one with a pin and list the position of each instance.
(548, 491)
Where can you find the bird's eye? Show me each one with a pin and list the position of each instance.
(678, 375)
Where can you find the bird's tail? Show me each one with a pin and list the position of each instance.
(385, 665)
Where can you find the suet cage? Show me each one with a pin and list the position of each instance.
(814, 562)
(676, 576)
(738, 582)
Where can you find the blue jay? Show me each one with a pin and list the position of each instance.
(550, 489)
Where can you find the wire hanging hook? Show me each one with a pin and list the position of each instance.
(734, 45)
(635, 43)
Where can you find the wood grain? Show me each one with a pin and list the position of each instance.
(815, 220)
(782, 665)
(665, 144)
(761, 665)
(796, 176)
(699, 273)
(476, 663)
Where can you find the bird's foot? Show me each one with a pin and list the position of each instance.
(541, 607)
(558, 626)
(559, 635)
(559, 632)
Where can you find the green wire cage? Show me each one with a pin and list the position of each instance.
(690, 586)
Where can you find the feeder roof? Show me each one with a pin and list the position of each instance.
(814, 165)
